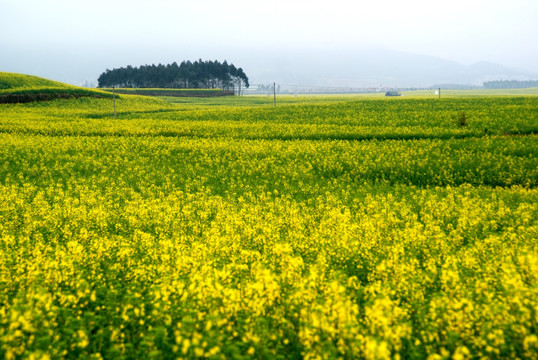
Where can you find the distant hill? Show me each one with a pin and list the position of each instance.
(19, 88)
(371, 67)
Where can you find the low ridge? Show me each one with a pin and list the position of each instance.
(19, 88)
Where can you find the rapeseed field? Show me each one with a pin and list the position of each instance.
(350, 228)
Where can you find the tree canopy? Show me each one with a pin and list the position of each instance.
(198, 75)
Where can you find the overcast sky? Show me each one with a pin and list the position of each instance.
(73, 41)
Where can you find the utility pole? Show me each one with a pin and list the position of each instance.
(274, 93)
(114, 97)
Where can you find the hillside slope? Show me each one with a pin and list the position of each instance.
(14, 81)
(19, 88)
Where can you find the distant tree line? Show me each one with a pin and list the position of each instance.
(194, 75)
(510, 84)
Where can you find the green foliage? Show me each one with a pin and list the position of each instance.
(461, 119)
(198, 74)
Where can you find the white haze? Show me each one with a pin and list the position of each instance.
(75, 41)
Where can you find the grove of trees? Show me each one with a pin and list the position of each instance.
(510, 84)
(194, 75)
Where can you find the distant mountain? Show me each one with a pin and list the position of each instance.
(373, 67)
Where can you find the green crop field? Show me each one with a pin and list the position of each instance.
(198, 93)
(327, 227)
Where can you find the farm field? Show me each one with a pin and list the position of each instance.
(198, 93)
(327, 227)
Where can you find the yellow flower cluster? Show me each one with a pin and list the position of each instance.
(241, 242)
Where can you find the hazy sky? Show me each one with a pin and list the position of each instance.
(72, 40)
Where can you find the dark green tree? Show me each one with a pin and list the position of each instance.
(198, 74)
